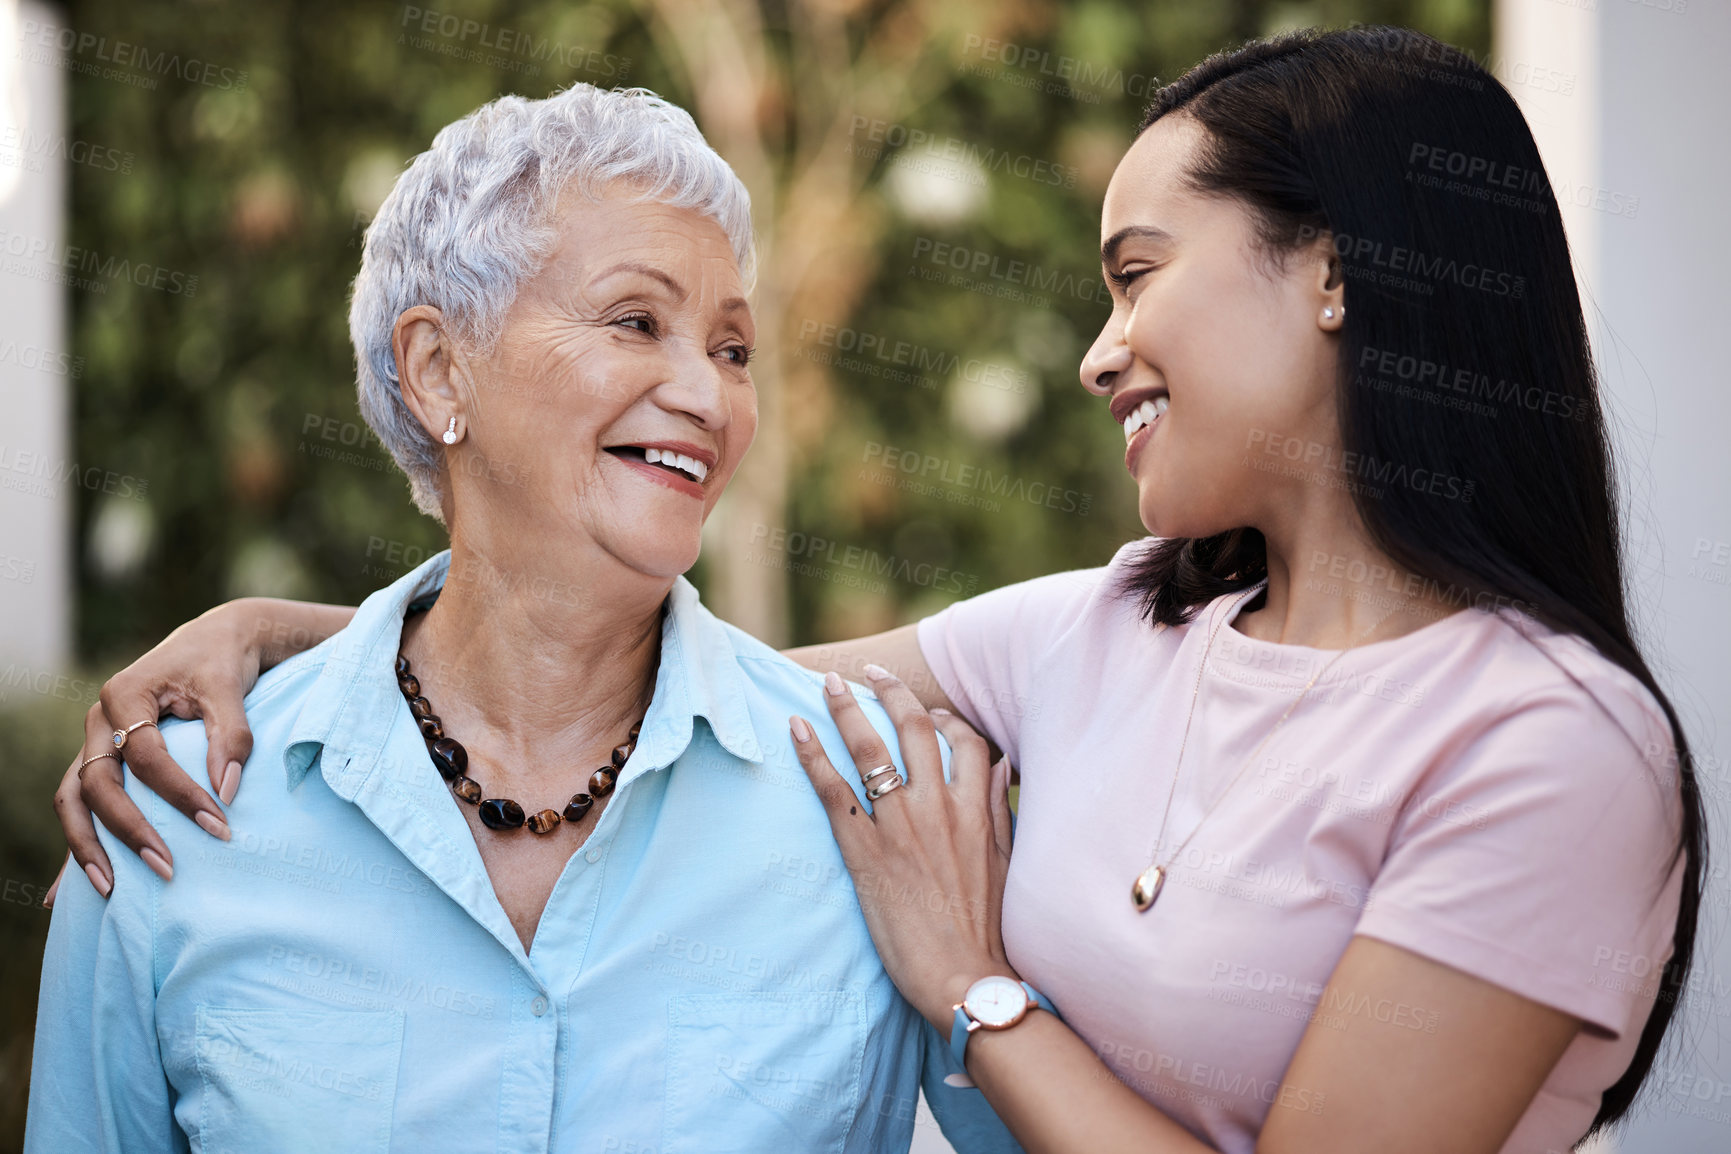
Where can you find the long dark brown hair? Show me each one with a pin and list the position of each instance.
(1455, 260)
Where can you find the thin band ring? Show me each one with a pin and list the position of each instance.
(120, 735)
(889, 786)
(878, 772)
(98, 757)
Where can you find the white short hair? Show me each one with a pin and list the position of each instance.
(470, 220)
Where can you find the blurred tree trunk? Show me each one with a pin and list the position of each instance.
(785, 124)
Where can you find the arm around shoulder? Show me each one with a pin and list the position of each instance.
(897, 650)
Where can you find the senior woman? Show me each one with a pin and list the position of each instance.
(525, 864)
(1349, 805)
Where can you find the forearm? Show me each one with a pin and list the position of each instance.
(897, 651)
(1056, 1095)
(279, 629)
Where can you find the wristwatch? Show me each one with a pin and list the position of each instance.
(992, 1003)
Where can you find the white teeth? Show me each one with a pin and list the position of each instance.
(1143, 415)
(678, 461)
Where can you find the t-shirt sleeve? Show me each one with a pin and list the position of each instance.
(1541, 857)
(986, 651)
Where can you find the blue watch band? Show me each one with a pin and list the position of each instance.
(960, 1030)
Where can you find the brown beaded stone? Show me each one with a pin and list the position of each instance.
(420, 707)
(450, 757)
(409, 684)
(467, 788)
(544, 822)
(431, 728)
(601, 781)
(578, 806)
(620, 753)
(636, 728)
(502, 813)
(402, 665)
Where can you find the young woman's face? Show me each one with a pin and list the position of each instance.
(1223, 346)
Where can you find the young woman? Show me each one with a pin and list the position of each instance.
(1342, 795)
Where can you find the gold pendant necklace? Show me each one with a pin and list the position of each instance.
(1148, 884)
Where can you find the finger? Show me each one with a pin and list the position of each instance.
(102, 790)
(849, 823)
(148, 758)
(230, 742)
(74, 816)
(914, 726)
(970, 759)
(54, 890)
(864, 744)
(80, 831)
(1002, 829)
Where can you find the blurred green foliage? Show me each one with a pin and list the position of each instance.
(234, 401)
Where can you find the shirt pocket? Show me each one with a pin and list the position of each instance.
(753, 1072)
(296, 1080)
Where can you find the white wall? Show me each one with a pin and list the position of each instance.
(35, 371)
(1638, 149)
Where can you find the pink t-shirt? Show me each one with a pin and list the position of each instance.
(1495, 804)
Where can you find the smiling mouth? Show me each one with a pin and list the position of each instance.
(678, 464)
(1144, 415)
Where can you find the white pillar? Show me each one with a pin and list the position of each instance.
(37, 502)
(1638, 153)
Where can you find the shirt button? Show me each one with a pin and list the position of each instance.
(593, 855)
(538, 1006)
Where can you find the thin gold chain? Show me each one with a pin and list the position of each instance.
(1188, 717)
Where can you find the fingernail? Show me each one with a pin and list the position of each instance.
(211, 824)
(98, 879)
(833, 683)
(877, 672)
(158, 863)
(801, 731)
(230, 782)
(939, 711)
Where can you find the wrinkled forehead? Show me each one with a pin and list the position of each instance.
(685, 250)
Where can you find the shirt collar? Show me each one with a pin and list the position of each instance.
(699, 677)
(346, 719)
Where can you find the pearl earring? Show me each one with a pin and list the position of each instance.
(450, 437)
(1328, 313)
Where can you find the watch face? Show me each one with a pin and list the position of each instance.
(996, 1002)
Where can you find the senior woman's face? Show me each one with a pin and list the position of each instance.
(618, 388)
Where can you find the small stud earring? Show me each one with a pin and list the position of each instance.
(1328, 313)
(450, 437)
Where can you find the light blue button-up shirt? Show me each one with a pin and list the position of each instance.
(341, 978)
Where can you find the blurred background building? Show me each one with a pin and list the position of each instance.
(184, 186)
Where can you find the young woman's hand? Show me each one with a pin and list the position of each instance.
(929, 860)
(203, 669)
